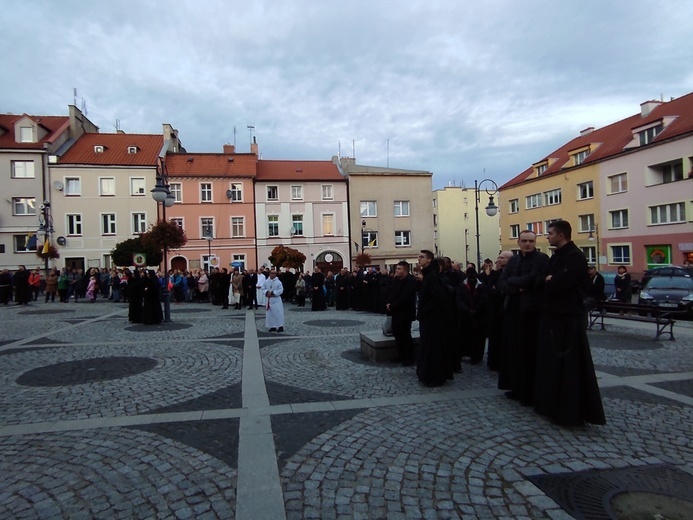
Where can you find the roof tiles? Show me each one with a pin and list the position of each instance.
(211, 165)
(54, 125)
(298, 171)
(115, 150)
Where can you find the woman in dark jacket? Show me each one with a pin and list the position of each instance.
(624, 291)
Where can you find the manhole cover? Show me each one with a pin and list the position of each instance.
(646, 506)
(334, 323)
(85, 371)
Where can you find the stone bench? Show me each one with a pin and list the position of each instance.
(378, 347)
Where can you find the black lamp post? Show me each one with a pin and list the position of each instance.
(45, 229)
(162, 194)
(491, 211)
(209, 237)
(595, 238)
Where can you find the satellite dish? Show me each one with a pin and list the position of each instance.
(229, 194)
(62, 241)
(58, 185)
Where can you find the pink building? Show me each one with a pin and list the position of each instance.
(215, 206)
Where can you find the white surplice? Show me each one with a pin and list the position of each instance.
(260, 293)
(275, 308)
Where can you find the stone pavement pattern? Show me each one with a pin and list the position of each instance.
(213, 417)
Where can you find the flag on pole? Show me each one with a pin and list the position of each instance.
(46, 246)
(31, 240)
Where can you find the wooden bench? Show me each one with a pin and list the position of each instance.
(633, 312)
(378, 347)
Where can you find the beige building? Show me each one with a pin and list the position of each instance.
(454, 225)
(390, 212)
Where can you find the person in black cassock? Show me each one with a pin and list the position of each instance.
(495, 319)
(136, 291)
(317, 282)
(434, 360)
(224, 286)
(151, 310)
(472, 303)
(22, 289)
(342, 289)
(566, 385)
(401, 305)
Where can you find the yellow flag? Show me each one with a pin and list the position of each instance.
(372, 242)
(46, 245)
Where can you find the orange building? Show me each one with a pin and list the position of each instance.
(214, 204)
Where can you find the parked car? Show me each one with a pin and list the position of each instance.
(673, 293)
(667, 270)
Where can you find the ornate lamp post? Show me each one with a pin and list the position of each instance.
(491, 211)
(209, 237)
(595, 238)
(45, 229)
(162, 194)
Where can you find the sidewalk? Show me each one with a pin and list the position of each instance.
(212, 417)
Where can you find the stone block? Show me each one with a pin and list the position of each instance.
(378, 347)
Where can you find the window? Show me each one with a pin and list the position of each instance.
(647, 136)
(327, 193)
(369, 208)
(672, 172)
(401, 208)
(585, 190)
(370, 239)
(273, 225)
(514, 206)
(590, 253)
(537, 227)
(296, 192)
(138, 186)
(176, 190)
(26, 134)
(73, 186)
(237, 227)
(132, 149)
(236, 192)
(24, 243)
(435, 219)
(272, 193)
(533, 201)
(541, 169)
(74, 225)
(206, 192)
(23, 206)
(297, 225)
(618, 183)
(586, 223)
(23, 169)
(402, 238)
(139, 223)
(435, 203)
(514, 230)
(108, 224)
(178, 222)
(328, 224)
(580, 157)
(107, 186)
(239, 260)
(668, 213)
(206, 227)
(619, 218)
(552, 197)
(620, 254)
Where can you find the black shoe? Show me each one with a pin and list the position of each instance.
(281, 329)
(273, 329)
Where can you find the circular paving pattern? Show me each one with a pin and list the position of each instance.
(334, 323)
(84, 371)
(158, 327)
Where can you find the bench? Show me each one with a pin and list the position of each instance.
(378, 347)
(643, 313)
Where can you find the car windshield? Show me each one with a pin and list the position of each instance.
(675, 282)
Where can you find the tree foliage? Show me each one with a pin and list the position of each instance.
(362, 259)
(164, 233)
(123, 251)
(284, 256)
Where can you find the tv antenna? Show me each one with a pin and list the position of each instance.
(250, 127)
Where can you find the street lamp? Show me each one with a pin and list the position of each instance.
(162, 194)
(595, 238)
(208, 237)
(491, 211)
(45, 229)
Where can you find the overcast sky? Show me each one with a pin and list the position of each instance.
(455, 86)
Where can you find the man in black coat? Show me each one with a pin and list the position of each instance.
(595, 292)
(521, 282)
(317, 282)
(224, 285)
(22, 290)
(250, 289)
(495, 319)
(566, 386)
(401, 305)
(342, 288)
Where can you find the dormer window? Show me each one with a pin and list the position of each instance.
(579, 157)
(132, 149)
(26, 134)
(99, 148)
(541, 168)
(648, 135)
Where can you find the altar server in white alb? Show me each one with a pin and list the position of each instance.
(272, 289)
(260, 293)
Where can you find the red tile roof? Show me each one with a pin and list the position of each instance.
(55, 125)
(612, 140)
(115, 150)
(298, 171)
(211, 165)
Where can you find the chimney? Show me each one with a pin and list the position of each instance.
(229, 149)
(253, 146)
(587, 130)
(648, 106)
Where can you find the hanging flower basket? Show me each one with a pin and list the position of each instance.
(51, 252)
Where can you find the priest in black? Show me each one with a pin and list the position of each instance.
(317, 282)
(401, 305)
(151, 310)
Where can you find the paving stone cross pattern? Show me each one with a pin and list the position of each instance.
(212, 416)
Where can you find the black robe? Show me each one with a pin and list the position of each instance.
(136, 290)
(342, 289)
(317, 281)
(566, 385)
(151, 310)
